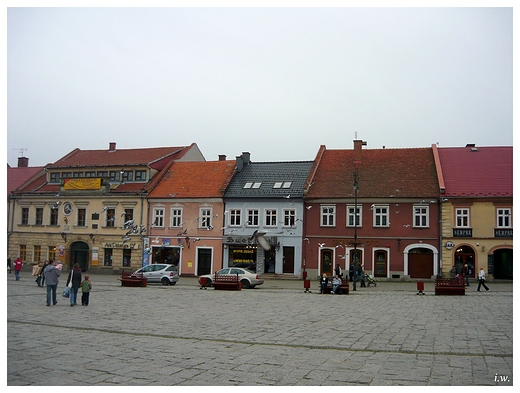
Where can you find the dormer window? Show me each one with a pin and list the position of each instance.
(251, 184)
(282, 184)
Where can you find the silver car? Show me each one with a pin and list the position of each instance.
(248, 278)
(160, 272)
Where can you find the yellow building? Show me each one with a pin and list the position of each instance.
(90, 207)
(477, 209)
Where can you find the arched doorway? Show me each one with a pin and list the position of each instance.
(420, 263)
(463, 255)
(79, 253)
(503, 264)
(326, 262)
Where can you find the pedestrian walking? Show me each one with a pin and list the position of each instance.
(86, 287)
(74, 280)
(51, 275)
(482, 280)
(466, 271)
(46, 263)
(363, 284)
(18, 263)
(38, 273)
(357, 274)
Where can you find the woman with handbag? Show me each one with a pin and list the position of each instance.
(74, 282)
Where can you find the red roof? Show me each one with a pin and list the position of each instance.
(203, 179)
(477, 171)
(382, 173)
(16, 177)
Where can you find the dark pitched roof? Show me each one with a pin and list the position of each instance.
(382, 173)
(477, 171)
(204, 179)
(266, 174)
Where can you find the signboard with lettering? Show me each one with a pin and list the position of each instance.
(89, 183)
(504, 233)
(462, 232)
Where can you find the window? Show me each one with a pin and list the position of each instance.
(54, 216)
(270, 218)
(39, 216)
(128, 214)
(140, 175)
(114, 176)
(328, 216)
(462, 217)
(102, 174)
(205, 219)
(37, 254)
(289, 217)
(52, 253)
(235, 217)
(55, 177)
(111, 217)
(381, 216)
(127, 257)
(158, 217)
(82, 217)
(77, 174)
(90, 174)
(107, 259)
(504, 218)
(176, 218)
(282, 184)
(25, 216)
(23, 252)
(420, 216)
(127, 176)
(252, 217)
(353, 212)
(66, 175)
(251, 184)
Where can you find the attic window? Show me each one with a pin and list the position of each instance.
(284, 184)
(251, 184)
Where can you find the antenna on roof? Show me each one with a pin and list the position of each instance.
(355, 135)
(21, 150)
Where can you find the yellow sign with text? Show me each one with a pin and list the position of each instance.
(82, 184)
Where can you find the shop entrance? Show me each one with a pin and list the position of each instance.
(326, 262)
(463, 255)
(79, 253)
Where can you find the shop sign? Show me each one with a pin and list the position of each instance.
(132, 246)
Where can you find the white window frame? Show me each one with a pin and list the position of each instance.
(235, 217)
(421, 216)
(351, 215)
(504, 219)
(205, 215)
(176, 217)
(253, 217)
(462, 217)
(158, 217)
(328, 216)
(270, 217)
(289, 218)
(381, 216)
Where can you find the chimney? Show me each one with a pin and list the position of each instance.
(23, 162)
(222, 157)
(240, 163)
(247, 157)
(112, 146)
(358, 147)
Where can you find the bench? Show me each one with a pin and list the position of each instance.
(228, 283)
(343, 288)
(132, 279)
(450, 286)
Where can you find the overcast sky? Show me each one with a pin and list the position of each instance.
(277, 82)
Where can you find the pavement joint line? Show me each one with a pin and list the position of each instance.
(267, 344)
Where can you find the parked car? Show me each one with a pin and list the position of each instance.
(160, 272)
(248, 278)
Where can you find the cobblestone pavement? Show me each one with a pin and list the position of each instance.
(273, 335)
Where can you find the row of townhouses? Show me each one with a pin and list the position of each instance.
(401, 213)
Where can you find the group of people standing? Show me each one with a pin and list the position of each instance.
(466, 273)
(49, 272)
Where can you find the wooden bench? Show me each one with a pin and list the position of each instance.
(343, 288)
(228, 283)
(132, 279)
(450, 286)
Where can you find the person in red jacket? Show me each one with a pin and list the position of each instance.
(17, 267)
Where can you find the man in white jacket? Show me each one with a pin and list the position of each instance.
(482, 280)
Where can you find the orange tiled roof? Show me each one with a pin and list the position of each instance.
(382, 173)
(197, 179)
(17, 177)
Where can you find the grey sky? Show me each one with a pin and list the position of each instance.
(277, 82)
